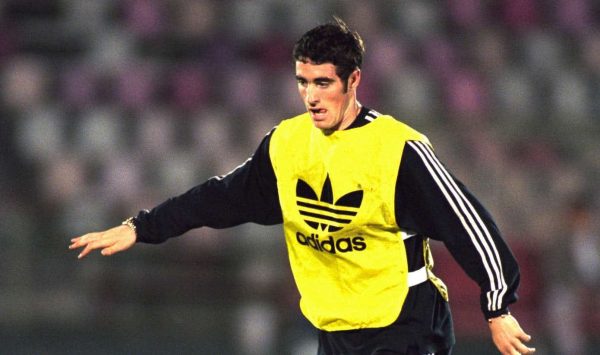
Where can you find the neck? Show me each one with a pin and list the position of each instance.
(350, 114)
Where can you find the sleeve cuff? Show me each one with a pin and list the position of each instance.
(141, 227)
(494, 314)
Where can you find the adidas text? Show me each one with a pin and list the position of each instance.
(330, 245)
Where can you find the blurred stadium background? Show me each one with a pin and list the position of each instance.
(108, 107)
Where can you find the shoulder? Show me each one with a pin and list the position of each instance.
(296, 120)
(396, 128)
(292, 125)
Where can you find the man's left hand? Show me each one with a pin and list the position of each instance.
(508, 336)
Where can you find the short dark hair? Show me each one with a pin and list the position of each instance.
(334, 43)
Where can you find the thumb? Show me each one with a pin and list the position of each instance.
(107, 251)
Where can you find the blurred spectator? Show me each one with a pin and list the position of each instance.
(440, 56)
(136, 85)
(100, 133)
(570, 97)
(145, 18)
(411, 93)
(515, 96)
(79, 86)
(573, 16)
(467, 14)
(418, 20)
(189, 86)
(520, 15)
(590, 56)
(195, 20)
(41, 135)
(25, 82)
(466, 96)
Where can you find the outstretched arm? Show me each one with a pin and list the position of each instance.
(247, 194)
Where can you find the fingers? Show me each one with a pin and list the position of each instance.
(526, 350)
(509, 336)
(114, 248)
(97, 243)
(522, 348)
(521, 336)
(519, 348)
(110, 241)
(84, 240)
(90, 242)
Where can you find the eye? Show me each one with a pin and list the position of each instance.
(323, 83)
(301, 82)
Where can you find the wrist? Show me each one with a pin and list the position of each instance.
(130, 222)
(501, 316)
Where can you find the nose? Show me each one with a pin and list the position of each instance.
(311, 95)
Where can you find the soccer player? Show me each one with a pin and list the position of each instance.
(359, 195)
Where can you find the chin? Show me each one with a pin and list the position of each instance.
(321, 125)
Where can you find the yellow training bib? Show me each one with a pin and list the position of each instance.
(337, 197)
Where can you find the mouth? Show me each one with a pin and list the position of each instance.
(318, 113)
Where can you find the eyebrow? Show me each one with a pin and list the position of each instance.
(320, 79)
(324, 80)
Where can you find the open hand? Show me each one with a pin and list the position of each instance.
(508, 336)
(110, 241)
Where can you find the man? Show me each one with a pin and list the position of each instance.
(358, 194)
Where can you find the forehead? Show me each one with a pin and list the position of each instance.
(310, 70)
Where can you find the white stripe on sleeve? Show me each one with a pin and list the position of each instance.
(470, 220)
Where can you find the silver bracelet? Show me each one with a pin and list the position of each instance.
(501, 316)
(129, 222)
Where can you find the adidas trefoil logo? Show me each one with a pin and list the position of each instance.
(321, 212)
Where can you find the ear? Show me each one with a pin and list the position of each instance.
(354, 79)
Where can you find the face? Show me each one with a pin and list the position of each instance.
(331, 105)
